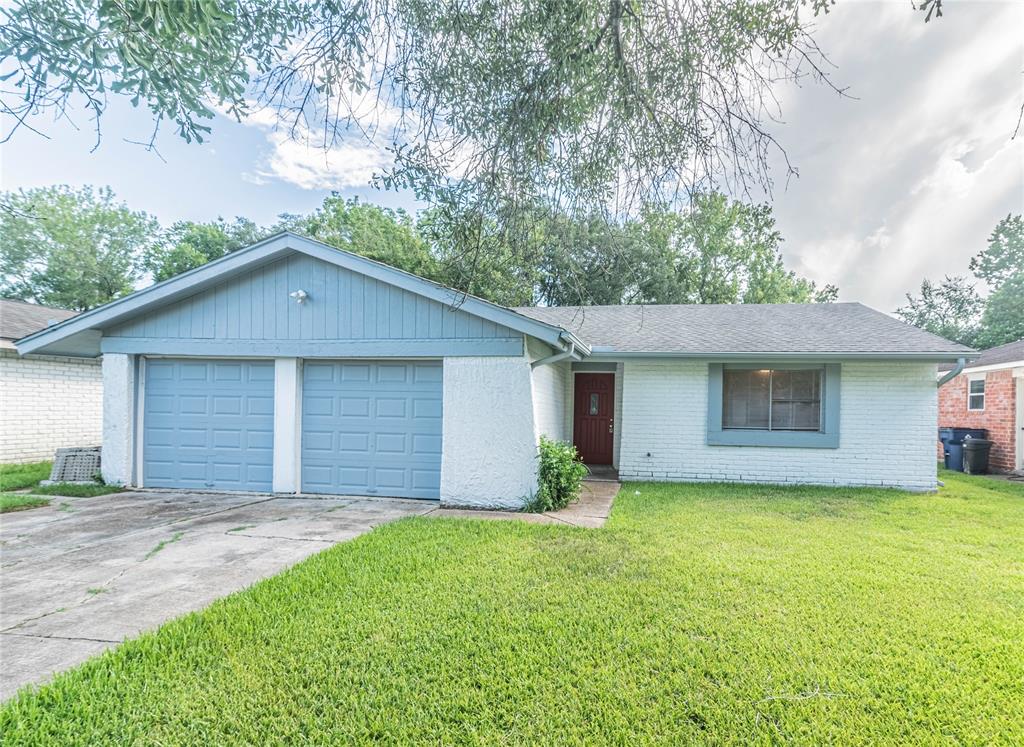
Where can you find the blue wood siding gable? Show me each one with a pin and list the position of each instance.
(346, 314)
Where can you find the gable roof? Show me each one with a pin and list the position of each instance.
(81, 335)
(1009, 354)
(20, 318)
(847, 330)
(732, 330)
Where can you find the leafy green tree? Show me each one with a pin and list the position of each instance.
(187, 245)
(588, 107)
(71, 248)
(719, 251)
(386, 235)
(1003, 318)
(951, 309)
(1003, 258)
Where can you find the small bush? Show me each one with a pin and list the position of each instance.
(561, 476)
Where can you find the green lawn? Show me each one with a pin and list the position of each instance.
(18, 476)
(715, 613)
(77, 490)
(19, 502)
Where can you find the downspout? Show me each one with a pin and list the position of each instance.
(954, 372)
(556, 357)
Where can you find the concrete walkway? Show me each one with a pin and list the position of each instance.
(590, 511)
(84, 574)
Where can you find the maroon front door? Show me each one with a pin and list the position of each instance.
(592, 423)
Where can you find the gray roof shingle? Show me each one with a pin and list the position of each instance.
(1011, 352)
(742, 328)
(20, 318)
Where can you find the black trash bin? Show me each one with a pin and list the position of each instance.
(976, 455)
(953, 440)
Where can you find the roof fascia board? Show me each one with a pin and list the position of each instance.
(598, 354)
(993, 367)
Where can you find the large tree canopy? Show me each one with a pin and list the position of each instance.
(499, 114)
(70, 248)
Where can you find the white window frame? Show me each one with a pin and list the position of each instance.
(971, 395)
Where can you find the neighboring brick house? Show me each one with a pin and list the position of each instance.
(46, 401)
(989, 394)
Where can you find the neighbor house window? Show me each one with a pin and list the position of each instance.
(773, 405)
(976, 394)
(772, 400)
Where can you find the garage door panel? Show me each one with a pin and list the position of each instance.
(385, 421)
(208, 424)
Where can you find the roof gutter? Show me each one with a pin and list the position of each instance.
(570, 353)
(602, 353)
(953, 372)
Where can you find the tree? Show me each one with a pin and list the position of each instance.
(719, 251)
(1003, 319)
(70, 248)
(187, 245)
(593, 107)
(386, 235)
(950, 309)
(1004, 256)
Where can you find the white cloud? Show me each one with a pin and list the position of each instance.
(908, 180)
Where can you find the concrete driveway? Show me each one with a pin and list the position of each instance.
(84, 574)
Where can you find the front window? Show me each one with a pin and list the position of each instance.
(976, 394)
(772, 399)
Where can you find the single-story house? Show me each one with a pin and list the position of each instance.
(989, 394)
(47, 401)
(294, 367)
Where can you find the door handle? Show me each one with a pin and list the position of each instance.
(611, 425)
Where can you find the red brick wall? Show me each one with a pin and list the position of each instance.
(998, 416)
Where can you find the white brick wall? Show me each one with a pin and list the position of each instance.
(551, 394)
(887, 430)
(46, 403)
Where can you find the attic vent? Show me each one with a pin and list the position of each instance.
(81, 464)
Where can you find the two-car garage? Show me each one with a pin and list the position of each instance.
(367, 427)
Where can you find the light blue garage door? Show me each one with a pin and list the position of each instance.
(372, 428)
(208, 424)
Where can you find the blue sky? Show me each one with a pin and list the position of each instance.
(904, 181)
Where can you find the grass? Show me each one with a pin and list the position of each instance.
(162, 544)
(19, 476)
(76, 490)
(714, 613)
(20, 502)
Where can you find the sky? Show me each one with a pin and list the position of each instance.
(902, 179)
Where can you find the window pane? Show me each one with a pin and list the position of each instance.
(745, 399)
(593, 403)
(976, 402)
(978, 386)
(796, 400)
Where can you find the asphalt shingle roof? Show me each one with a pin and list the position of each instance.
(1008, 353)
(742, 328)
(19, 318)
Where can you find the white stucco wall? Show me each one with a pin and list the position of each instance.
(887, 430)
(489, 457)
(118, 417)
(48, 402)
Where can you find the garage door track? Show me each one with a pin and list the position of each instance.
(83, 575)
